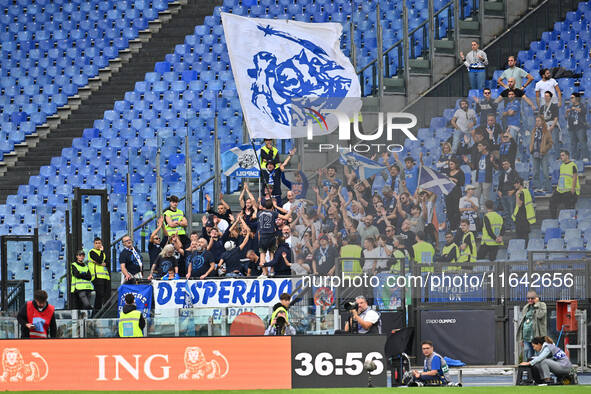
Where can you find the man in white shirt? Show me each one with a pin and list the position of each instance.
(463, 121)
(469, 206)
(548, 84)
(364, 318)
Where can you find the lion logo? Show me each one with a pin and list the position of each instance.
(15, 369)
(197, 366)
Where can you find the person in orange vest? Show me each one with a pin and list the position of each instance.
(37, 318)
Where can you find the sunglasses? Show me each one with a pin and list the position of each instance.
(531, 298)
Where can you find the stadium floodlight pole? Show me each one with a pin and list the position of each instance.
(254, 149)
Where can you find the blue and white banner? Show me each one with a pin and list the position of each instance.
(176, 294)
(434, 181)
(143, 297)
(240, 161)
(279, 62)
(364, 167)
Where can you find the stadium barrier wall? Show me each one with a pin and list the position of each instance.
(220, 363)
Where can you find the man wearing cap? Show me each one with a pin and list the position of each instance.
(269, 154)
(80, 286)
(175, 221)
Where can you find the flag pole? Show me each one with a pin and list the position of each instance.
(260, 169)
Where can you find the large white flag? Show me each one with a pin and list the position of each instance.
(290, 74)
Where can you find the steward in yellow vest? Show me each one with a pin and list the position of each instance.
(450, 253)
(468, 249)
(131, 321)
(351, 257)
(492, 228)
(400, 256)
(524, 213)
(80, 285)
(282, 306)
(568, 188)
(424, 253)
(99, 271)
(174, 219)
(269, 154)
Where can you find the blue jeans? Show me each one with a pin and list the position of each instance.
(508, 204)
(528, 351)
(541, 167)
(578, 144)
(477, 79)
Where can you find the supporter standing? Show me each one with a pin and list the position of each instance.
(539, 147)
(512, 115)
(484, 173)
(282, 259)
(485, 107)
(130, 261)
(99, 271)
(568, 188)
(81, 286)
(506, 190)
(155, 244)
(512, 71)
(163, 263)
(508, 149)
(519, 93)
(424, 253)
(367, 229)
(476, 62)
(548, 84)
(271, 176)
(576, 114)
(549, 113)
(325, 256)
(469, 207)
(456, 175)
(491, 130)
(37, 318)
(200, 262)
(463, 122)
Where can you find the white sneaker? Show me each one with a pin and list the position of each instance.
(262, 276)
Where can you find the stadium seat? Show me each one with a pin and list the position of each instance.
(552, 233)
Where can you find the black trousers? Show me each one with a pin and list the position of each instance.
(81, 299)
(102, 287)
(487, 250)
(567, 200)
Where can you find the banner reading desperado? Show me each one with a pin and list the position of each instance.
(219, 293)
(146, 364)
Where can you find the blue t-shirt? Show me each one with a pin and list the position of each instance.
(412, 179)
(515, 119)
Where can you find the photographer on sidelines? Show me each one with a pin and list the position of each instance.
(280, 325)
(362, 318)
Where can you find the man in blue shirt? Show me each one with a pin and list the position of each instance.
(512, 114)
(411, 174)
(435, 369)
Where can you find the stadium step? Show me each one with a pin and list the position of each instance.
(169, 31)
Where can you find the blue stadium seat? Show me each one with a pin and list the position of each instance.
(552, 233)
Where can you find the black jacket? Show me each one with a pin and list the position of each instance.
(23, 320)
(505, 187)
